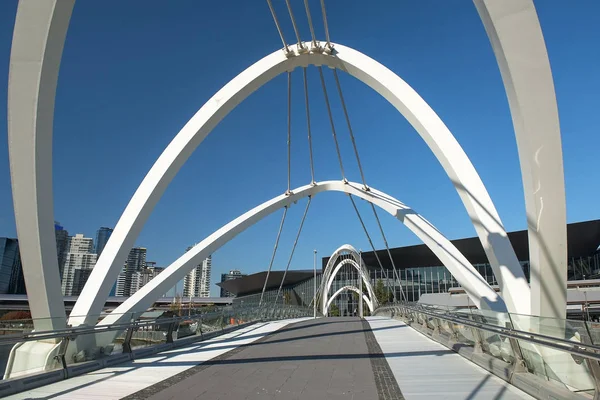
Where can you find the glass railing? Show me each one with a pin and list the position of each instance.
(564, 353)
(69, 347)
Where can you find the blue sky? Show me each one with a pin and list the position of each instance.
(134, 72)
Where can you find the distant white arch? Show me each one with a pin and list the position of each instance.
(474, 284)
(330, 273)
(340, 291)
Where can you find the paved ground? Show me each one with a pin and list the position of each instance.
(316, 359)
(425, 369)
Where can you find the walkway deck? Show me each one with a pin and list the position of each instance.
(330, 358)
(424, 369)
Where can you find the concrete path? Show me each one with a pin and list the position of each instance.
(425, 369)
(316, 359)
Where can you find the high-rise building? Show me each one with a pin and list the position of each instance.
(62, 242)
(136, 261)
(197, 282)
(233, 274)
(150, 272)
(79, 262)
(11, 271)
(119, 288)
(102, 236)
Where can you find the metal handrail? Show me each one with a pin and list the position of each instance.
(86, 330)
(576, 348)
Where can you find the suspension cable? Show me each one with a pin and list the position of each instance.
(273, 256)
(370, 242)
(337, 146)
(293, 249)
(289, 7)
(387, 247)
(325, 23)
(339, 88)
(285, 46)
(310, 24)
(289, 135)
(310, 149)
(362, 175)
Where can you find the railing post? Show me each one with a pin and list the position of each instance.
(519, 364)
(62, 350)
(200, 328)
(593, 365)
(170, 332)
(127, 341)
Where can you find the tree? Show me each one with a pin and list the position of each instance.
(381, 292)
(286, 298)
(334, 311)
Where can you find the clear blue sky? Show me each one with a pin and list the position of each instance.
(134, 72)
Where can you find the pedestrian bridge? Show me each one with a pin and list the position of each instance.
(404, 351)
(302, 358)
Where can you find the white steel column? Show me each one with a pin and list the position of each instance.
(38, 39)
(516, 36)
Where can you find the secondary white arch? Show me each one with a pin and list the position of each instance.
(473, 283)
(340, 291)
(329, 277)
(457, 165)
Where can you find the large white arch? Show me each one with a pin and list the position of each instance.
(476, 287)
(514, 31)
(37, 45)
(467, 182)
(340, 291)
(329, 275)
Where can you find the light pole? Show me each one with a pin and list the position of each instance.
(360, 292)
(315, 284)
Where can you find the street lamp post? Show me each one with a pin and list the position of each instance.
(360, 292)
(315, 284)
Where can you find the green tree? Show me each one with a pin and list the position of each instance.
(380, 292)
(334, 311)
(286, 298)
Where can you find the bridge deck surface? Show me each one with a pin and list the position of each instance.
(425, 369)
(311, 359)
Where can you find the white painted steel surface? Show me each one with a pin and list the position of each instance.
(516, 36)
(38, 39)
(355, 290)
(330, 273)
(424, 369)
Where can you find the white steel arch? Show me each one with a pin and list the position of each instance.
(474, 284)
(340, 291)
(329, 275)
(37, 45)
(516, 36)
(467, 182)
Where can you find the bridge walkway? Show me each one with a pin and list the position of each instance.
(333, 358)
